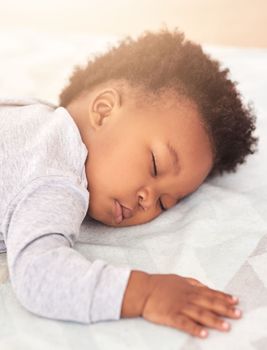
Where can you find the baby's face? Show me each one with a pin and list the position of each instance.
(129, 160)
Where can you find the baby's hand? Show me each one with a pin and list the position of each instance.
(188, 305)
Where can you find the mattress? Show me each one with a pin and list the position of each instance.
(218, 234)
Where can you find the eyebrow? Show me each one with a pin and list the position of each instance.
(174, 156)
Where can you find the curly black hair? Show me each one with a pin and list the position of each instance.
(162, 60)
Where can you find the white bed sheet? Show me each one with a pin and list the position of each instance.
(217, 235)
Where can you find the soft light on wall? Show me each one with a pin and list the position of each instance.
(224, 22)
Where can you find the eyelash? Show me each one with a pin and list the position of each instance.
(155, 168)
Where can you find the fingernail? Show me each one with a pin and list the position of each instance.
(237, 312)
(203, 333)
(234, 298)
(225, 325)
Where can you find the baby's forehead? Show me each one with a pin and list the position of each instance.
(172, 106)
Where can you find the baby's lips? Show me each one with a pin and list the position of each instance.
(127, 213)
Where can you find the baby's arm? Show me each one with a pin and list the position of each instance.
(49, 277)
(53, 280)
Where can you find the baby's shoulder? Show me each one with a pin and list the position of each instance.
(40, 138)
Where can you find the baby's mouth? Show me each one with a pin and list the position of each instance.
(118, 212)
(127, 213)
(121, 212)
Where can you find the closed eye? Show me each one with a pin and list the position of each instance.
(156, 173)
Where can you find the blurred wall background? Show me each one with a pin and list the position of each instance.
(219, 22)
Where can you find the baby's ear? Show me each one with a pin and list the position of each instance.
(103, 109)
(106, 99)
(102, 105)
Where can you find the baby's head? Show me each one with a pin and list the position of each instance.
(158, 117)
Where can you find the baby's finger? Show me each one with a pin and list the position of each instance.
(224, 296)
(195, 282)
(205, 317)
(187, 325)
(217, 305)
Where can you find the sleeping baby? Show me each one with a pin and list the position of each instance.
(136, 130)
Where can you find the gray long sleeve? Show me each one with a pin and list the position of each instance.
(40, 225)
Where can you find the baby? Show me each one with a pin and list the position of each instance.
(137, 130)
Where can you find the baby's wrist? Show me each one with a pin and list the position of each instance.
(136, 294)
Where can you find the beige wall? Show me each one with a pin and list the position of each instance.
(225, 22)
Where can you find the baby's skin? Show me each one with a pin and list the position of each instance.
(179, 302)
(129, 162)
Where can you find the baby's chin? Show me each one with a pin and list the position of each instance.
(103, 221)
(114, 224)
(110, 221)
(124, 223)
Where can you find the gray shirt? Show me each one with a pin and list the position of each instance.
(44, 199)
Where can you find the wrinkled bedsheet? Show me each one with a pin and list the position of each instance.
(217, 235)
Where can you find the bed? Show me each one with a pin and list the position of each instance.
(217, 235)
